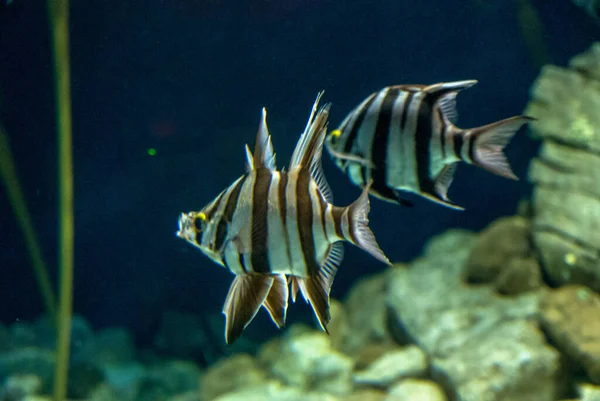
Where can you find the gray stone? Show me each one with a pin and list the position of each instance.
(366, 320)
(571, 317)
(275, 391)
(393, 366)
(231, 374)
(483, 346)
(308, 361)
(416, 390)
(566, 174)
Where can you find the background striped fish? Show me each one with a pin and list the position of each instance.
(273, 228)
(403, 138)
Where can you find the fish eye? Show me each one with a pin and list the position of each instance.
(200, 221)
(334, 135)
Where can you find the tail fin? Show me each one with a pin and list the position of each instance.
(489, 142)
(358, 226)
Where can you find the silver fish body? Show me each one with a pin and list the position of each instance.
(275, 228)
(402, 138)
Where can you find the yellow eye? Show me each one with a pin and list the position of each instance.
(336, 133)
(200, 221)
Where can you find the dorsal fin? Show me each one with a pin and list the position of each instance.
(264, 155)
(444, 94)
(309, 149)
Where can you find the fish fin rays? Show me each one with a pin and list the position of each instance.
(365, 239)
(437, 199)
(444, 88)
(264, 154)
(444, 180)
(246, 295)
(445, 94)
(316, 289)
(489, 143)
(447, 105)
(309, 149)
(276, 302)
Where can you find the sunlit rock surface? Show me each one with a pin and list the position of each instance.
(566, 173)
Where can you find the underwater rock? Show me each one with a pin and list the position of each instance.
(393, 366)
(366, 394)
(571, 317)
(275, 391)
(124, 379)
(18, 386)
(231, 374)
(565, 174)
(307, 360)
(588, 392)
(30, 361)
(84, 378)
(503, 240)
(482, 346)
(169, 379)
(367, 320)
(501, 254)
(416, 390)
(339, 328)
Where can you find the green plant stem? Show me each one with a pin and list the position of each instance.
(59, 23)
(8, 173)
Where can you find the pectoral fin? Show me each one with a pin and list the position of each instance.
(246, 295)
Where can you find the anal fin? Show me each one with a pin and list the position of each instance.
(315, 289)
(246, 295)
(444, 179)
(277, 300)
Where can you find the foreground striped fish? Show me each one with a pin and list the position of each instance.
(271, 228)
(403, 138)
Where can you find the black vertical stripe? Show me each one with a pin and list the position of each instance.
(471, 146)
(423, 134)
(323, 209)
(458, 144)
(380, 140)
(283, 201)
(443, 132)
(226, 217)
(304, 221)
(260, 204)
(351, 225)
(336, 213)
(357, 124)
(404, 115)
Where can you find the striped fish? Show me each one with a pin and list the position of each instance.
(403, 138)
(273, 229)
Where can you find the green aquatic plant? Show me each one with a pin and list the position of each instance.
(58, 11)
(10, 179)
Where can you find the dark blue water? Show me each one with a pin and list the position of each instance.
(188, 78)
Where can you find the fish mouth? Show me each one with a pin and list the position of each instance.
(182, 224)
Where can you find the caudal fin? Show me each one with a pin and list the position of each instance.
(489, 143)
(358, 229)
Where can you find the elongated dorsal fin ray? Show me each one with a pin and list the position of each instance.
(442, 88)
(249, 159)
(264, 155)
(309, 150)
(246, 295)
(277, 300)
